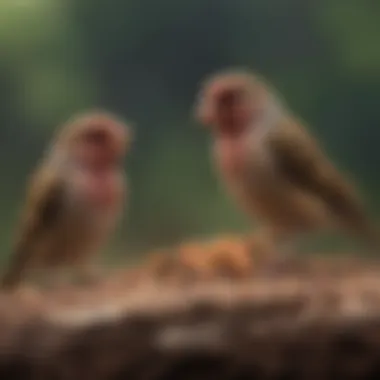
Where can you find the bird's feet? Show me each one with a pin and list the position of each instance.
(272, 259)
(89, 276)
(56, 279)
(282, 263)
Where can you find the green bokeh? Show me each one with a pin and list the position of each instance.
(144, 60)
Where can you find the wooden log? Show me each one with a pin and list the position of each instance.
(303, 324)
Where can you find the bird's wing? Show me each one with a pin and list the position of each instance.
(298, 156)
(43, 208)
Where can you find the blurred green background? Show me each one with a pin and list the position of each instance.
(143, 60)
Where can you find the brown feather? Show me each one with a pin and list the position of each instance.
(68, 215)
(301, 160)
(43, 207)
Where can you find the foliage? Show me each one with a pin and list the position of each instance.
(144, 60)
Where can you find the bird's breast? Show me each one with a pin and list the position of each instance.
(231, 159)
(97, 192)
(243, 160)
(93, 202)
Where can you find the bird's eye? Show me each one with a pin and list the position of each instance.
(96, 137)
(228, 98)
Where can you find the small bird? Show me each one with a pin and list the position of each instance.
(273, 166)
(74, 200)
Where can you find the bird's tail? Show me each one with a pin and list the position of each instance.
(369, 234)
(373, 239)
(20, 262)
(14, 274)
